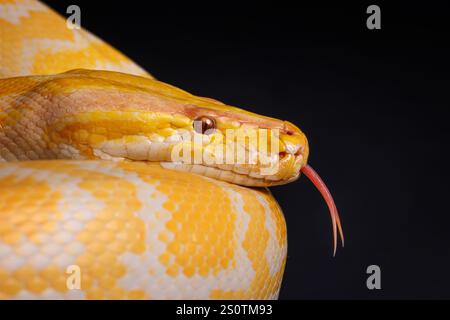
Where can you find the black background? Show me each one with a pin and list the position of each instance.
(373, 103)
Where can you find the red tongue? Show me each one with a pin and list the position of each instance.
(320, 185)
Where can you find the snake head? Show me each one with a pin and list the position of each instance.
(114, 116)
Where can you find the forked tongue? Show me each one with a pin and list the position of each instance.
(320, 185)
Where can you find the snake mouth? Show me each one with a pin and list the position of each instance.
(284, 170)
(281, 169)
(274, 170)
(226, 173)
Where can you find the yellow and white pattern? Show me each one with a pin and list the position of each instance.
(135, 231)
(96, 195)
(35, 40)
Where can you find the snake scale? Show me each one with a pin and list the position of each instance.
(88, 187)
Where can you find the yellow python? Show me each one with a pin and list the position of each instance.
(106, 220)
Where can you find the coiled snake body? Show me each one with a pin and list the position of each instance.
(102, 198)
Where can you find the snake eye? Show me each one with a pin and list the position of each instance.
(203, 124)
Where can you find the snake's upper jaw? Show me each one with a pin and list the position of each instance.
(320, 185)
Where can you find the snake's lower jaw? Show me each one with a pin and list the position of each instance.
(218, 174)
(286, 171)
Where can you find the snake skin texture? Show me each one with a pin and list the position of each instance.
(36, 40)
(133, 229)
